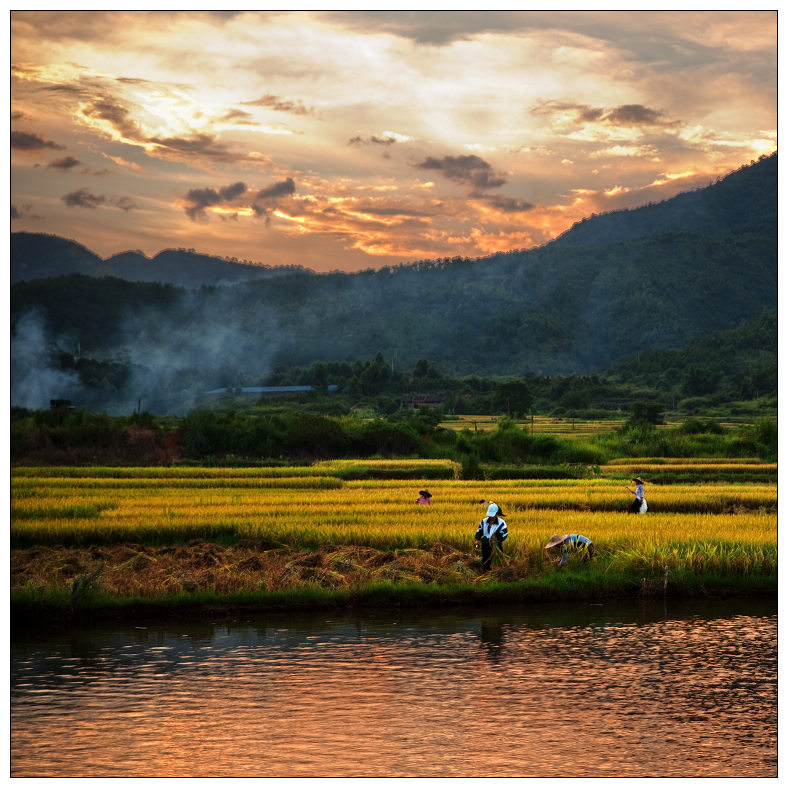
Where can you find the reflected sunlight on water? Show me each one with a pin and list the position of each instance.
(588, 691)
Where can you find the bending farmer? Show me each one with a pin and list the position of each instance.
(571, 542)
(493, 526)
(639, 505)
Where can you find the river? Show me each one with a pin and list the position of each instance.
(604, 690)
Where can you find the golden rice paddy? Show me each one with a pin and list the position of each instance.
(273, 528)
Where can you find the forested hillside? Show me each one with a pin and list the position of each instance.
(615, 286)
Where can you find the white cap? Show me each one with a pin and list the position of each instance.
(492, 510)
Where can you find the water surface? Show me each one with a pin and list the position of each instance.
(582, 690)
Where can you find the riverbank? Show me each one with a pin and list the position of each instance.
(69, 586)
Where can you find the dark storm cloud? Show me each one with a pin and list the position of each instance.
(23, 140)
(470, 170)
(266, 198)
(66, 163)
(508, 204)
(200, 199)
(373, 140)
(83, 198)
(280, 105)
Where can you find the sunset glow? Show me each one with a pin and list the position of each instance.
(345, 140)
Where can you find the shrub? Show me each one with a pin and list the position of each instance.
(381, 437)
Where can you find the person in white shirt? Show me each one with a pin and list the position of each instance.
(493, 526)
(639, 505)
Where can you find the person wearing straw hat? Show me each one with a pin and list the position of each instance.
(570, 543)
(424, 497)
(493, 526)
(639, 505)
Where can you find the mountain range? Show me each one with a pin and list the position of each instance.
(614, 285)
(37, 256)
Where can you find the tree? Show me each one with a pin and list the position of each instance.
(375, 376)
(512, 398)
(699, 380)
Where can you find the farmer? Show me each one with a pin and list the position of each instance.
(493, 526)
(639, 505)
(424, 497)
(571, 542)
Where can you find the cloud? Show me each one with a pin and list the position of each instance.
(23, 212)
(280, 105)
(238, 116)
(391, 210)
(116, 115)
(631, 115)
(470, 170)
(431, 28)
(83, 198)
(263, 201)
(66, 163)
(196, 145)
(637, 115)
(115, 119)
(200, 199)
(266, 198)
(373, 140)
(231, 192)
(508, 204)
(123, 162)
(125, 204)
(23, 140)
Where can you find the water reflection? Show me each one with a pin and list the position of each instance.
(576, 690)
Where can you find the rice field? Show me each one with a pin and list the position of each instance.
(278, 528)
(563, 426)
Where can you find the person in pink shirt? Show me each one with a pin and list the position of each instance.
(424, 497)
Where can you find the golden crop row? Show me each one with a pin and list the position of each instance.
(448, 495)
(644, 469)
(322, 468)
(688, 461)
(385, 515)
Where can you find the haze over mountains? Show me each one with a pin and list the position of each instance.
(613, 286)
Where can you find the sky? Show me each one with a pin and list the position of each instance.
(350, 140)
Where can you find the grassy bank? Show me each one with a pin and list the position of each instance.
(57, 605)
